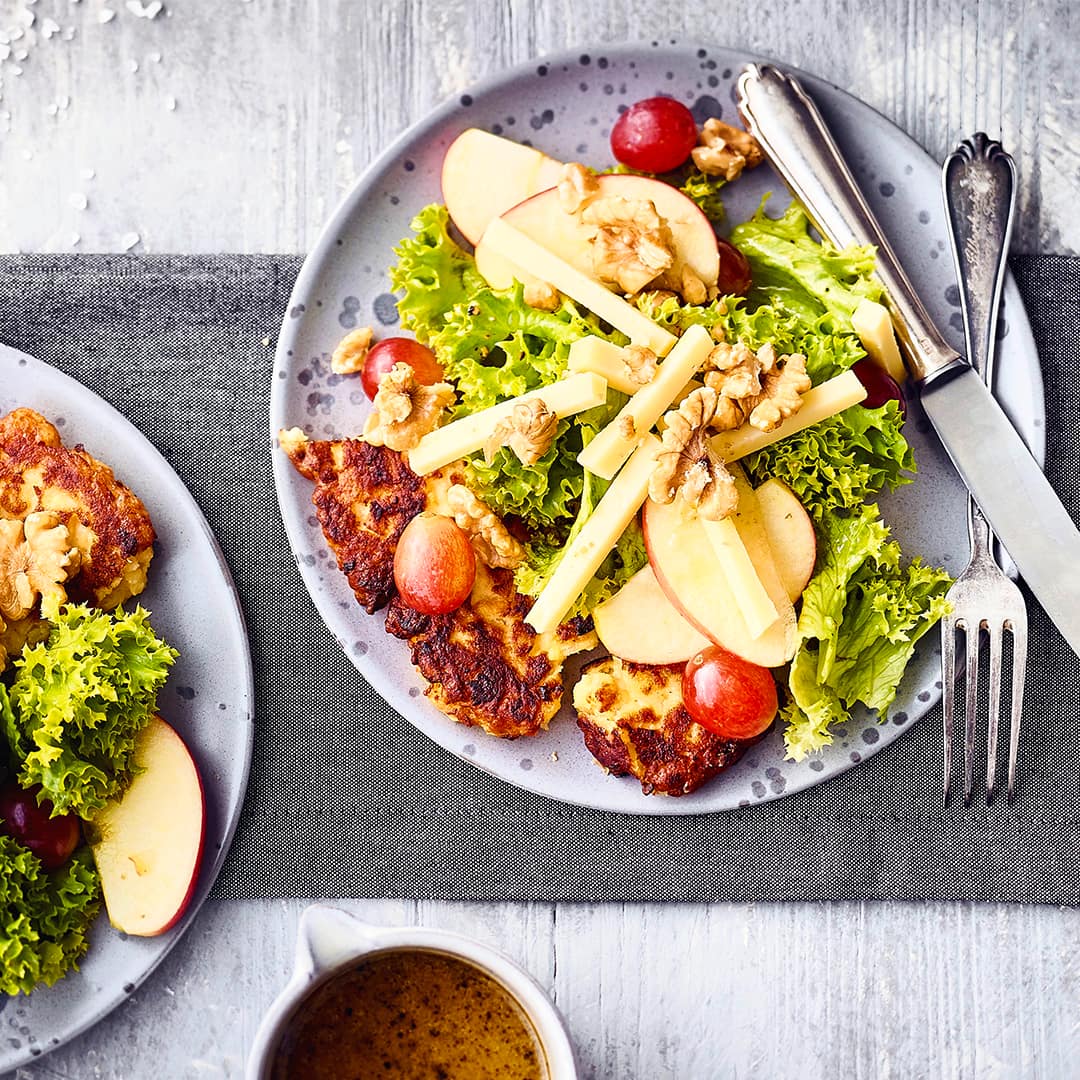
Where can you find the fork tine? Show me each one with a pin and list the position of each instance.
(993, 709)
(948, 675)
(971, 677)
(1020, 650)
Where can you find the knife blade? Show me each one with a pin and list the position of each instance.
(1004, 479)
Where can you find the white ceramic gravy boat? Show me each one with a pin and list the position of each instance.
(330, 939)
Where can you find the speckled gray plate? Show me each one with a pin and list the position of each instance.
(565, 105)
(208, 697)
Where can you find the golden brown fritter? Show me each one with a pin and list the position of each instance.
(635, 723)
(486, 667)
(364, 497)
(108, 523)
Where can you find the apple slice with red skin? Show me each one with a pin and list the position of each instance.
(484, 175)
(639, 623)
(148, 844)
(543, 219)
(688, 570)
(791, 535)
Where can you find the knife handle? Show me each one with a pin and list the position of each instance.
(786, 122)
(979, 183)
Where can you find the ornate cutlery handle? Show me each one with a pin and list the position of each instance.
(791, 131)
(979, 181)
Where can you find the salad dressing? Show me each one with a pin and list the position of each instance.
(410, 1014)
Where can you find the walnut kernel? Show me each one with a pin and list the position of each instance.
(490, 538)
(687, 468)
(528, 431)
(403, 411)
(577, 186)
(542, 296)
(631, 242)
(725, 150)
(351, 352)
(36, 558)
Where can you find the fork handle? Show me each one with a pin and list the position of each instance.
(979, 183)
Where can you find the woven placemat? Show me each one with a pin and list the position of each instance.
(347, 799)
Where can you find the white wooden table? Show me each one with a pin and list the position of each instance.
(231, 125)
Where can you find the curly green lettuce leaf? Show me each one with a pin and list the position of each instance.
(433, 273)
(828, 351)
(862, 614)
(809, 278)
(704, 190)
(834, 465)
(79, 701)
(44, 917)
(494, 346)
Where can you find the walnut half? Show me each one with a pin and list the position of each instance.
(760, 388)
(351, 352)
(490, 538)
(687, 467)
(36, 558)
(725, 150)
(631, 242)
(403, 411)
(528, 431)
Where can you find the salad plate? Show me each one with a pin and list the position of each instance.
(565, 105)
(208, 697)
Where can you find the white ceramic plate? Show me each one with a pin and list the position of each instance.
(208, 697)
(565, 105)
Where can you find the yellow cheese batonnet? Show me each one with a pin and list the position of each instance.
(524, 252)
(616, 442)
(458, 439)
(598, 536)
(873, 323)
(757, 608)
(818, 403)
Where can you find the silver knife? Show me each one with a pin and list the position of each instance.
(991, 458)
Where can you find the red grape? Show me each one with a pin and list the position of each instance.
(51, 839)
(880, 385)
(734, 277)
(728, 695)
(434, 565)
(655, 135)
(399, 350)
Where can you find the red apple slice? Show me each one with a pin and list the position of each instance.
(543, 219)
(688, 570)
(148, 844)
(484, 175)
(639, 623)
(791, 535)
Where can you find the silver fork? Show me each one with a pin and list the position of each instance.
(979, 182)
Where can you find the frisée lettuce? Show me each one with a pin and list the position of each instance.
(45, 917)
(862, 614)
(79, 700)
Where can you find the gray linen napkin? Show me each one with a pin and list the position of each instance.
(347, 799)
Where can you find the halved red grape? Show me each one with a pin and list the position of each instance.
(51, 839)
(399, 350)
(880, 385)
(434, 564)
(655, 135)
(734, 277)
(728, 695)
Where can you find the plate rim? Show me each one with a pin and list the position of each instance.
(322, 250)
(84, 397)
